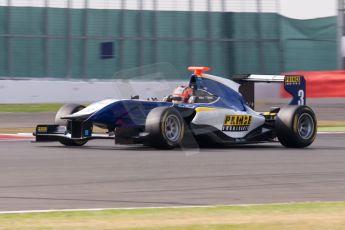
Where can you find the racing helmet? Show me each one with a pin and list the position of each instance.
(181, 94)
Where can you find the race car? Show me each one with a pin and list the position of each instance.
(219, 111)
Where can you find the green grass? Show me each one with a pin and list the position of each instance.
(11, 108)
(331, 129)
(252, 217)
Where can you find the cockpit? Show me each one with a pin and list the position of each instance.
(190, 95)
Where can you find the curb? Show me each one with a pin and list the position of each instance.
(16, 137)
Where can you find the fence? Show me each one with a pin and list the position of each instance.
(87, 39)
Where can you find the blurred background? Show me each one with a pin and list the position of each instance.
(87, 50)
(93, 39)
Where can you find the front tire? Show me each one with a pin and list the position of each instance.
(65, 110)
(296, 126)
(165, 127)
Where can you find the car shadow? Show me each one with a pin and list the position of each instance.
(142, 148)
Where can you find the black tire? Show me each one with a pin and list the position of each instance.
(165, 127)
(65, 110)
(69, 142)
(296, 126)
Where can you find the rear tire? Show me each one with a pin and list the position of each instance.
(165, 127)
(65, 110)
(296, 126)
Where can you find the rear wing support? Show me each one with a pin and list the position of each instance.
(295, 85)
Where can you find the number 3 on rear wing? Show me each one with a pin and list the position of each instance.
(295, 85)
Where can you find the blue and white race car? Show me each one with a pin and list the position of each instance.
(218, 111)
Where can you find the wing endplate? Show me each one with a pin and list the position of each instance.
(296, 86)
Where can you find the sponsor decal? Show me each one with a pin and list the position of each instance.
(42, 129)
(204, 109)
(87, 133)
(237, 123)
(292, 80)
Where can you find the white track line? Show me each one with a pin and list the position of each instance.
(159, 207)
(330, 132)
(107, 209)
(25, 134)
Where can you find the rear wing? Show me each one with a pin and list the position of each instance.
(295, 85)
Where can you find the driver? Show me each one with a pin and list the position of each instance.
(181, 94)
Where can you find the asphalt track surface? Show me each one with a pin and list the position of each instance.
(36, 176)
